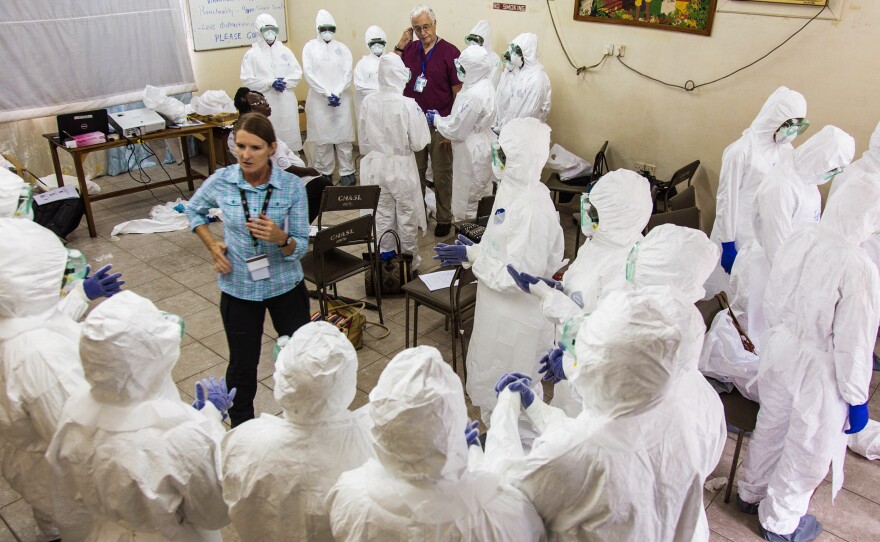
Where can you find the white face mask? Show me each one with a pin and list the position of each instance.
(498, 171)
(377, 49)
(588, 227)
(269, 36)
(516, 60)
(327, 36)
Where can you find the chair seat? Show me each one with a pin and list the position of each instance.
(338, 264)
(739, 411)
(439, 299)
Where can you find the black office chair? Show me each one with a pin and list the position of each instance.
(689, 218)
(666, 189)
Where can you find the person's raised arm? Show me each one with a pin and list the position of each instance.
(404, 40)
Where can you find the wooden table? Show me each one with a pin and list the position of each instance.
(79, 155)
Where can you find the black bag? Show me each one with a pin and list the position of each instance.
(393, 272)
(61, 217)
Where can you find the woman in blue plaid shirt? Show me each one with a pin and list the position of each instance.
(265, 230)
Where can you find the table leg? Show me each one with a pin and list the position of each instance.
(56, 162)
(187, 164)
(212, 152)
(84, 192)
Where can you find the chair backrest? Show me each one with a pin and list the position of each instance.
(349, 198)
(689, 218)
(484, 208)
(600, 164)
(462, 278)
(352, 232)
(685, 173)
(684, 199)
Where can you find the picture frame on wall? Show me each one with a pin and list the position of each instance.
(799, 2)
(690, 16)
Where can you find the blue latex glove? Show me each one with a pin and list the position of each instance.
(451, 254)
(199, 403)
(524, 280)
(472, 433)
(279, 85)
(462, 240)
(509, 378)
(858, 418)
(334, 100)
(101, 284)
(216, 393)
(728, 255)
(551, 365)
(526, 395)
(430, 115)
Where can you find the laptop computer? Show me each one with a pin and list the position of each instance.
(74, 124)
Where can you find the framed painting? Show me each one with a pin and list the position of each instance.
(692, 16)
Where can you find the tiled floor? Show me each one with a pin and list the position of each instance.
(174, 270)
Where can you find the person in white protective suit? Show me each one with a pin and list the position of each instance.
(366, 71)
(744, 164)
(15, 196)
(143, 463)
(271, 68)
(419, 486)
(276, 472)
(329, 108)
(39, 362)
(787, 200)
(510, 332)
(823, 308)
(525, 90)
(481, 34)
(469, 129)
(630, 466)
(393, 127)
(622, 200)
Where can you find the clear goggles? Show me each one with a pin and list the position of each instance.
(176, 319)
(793, 127)
(376, 41)
(269, 28)
(75, 269)
(327, 28)
(473, 39)
(458, 67)
(506, 56)
(570, 331)
(631, 260)
(514, 49)
(498, 156)
(25, 207)
(830, 174)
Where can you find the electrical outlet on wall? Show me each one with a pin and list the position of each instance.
(621, 50)
(609, 49)
(639, 166)
(650, 169)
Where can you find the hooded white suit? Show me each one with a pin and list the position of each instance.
(327, 68)
(277, 471)
(822, 306)
(510, 332)
(484, 30)
(787, 200)
(392, 128)
(143, 463)
(366, 72)
(418, 487)
(468, 126)
(260, 67)
(39, 361)
(525, 91)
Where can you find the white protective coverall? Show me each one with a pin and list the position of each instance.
(419, 487)
(622, 199)
(39, 361)
(629, 467)
(823, 308)
(468, 126)
(11, 186)
(143, 463)
(277, 471)
(260, 67)
(366, 71)
(510, 332)
(392, 128)
(786, 201)
(744, 164)
(525, 91)
(327, 68)
(484, 30)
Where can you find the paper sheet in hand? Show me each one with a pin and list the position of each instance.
(438, 280)
(65, 192)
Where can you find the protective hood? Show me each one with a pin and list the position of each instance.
(128, 350)
(316, 374)
(828, 149)
(484, 30)
(622, 199)
(264, 19)
(674, 256)
(10, 190)
(374, 33)
(323, 18)
(872, 155)
(32, 262)
(475, 62)
(626, 352)
(852, 210)
(392, 73)
(528, 42)
(782, 105)
(526, 146)
(418, 415)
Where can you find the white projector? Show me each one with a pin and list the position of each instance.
(137, 122)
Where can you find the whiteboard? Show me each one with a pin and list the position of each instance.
(221, 24)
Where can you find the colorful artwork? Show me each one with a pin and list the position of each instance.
(694, 16)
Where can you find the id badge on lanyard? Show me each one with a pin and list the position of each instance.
(258, 265)
(421, 80)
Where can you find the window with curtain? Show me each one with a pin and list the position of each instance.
(62, 56)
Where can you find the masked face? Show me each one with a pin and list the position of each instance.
(588, 223)
(176, 319)
(516, 57)
(326, 31)
(498, 160)
(570, 330)
(25, 203)
(473, 39)
(269, 33)
(790, 129)
(459, 69)
(631, 260)
(408, 75)
(377, 47)
(832, 173)
(507, 63)
(75, 269)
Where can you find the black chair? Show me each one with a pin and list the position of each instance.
(578, 185)
(683, 200)
(664, 189)
(689, 218)
(349, 198)
(484, 208)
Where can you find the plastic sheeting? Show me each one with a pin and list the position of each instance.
(163, 218)
(567, 164)
(724, 358)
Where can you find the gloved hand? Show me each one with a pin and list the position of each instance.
(728, 255)
(858, 418)
(216, 393)
(462, 240)
(451, 254)
(551, 365)
(509, 378)
(101, 284)
(430, 115)
(472, 433)
(279, 85)
(333, 100)
(524, 280)
(526, 395)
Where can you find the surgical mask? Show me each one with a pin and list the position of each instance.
(279, 345)
(507, 63)
(408, 75)
(498, 160)
(473, 39)
(74, 270)
(377, 48)
(588, 224)
(459, 70)
(790, 129)
(570, 331)
(25, 207)
(269, 34)
(631, 259)
(832, 173)
(327, 36)
(176, 319)
(515, 54)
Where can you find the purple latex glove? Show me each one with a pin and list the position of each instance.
(101, 284)
(279, 85)
(551, 365)
(451, 254)
(525, 281)
(509, 378)
(472, 433)
(526, 395)
(216, 393)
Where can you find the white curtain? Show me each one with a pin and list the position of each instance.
(62, 56)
